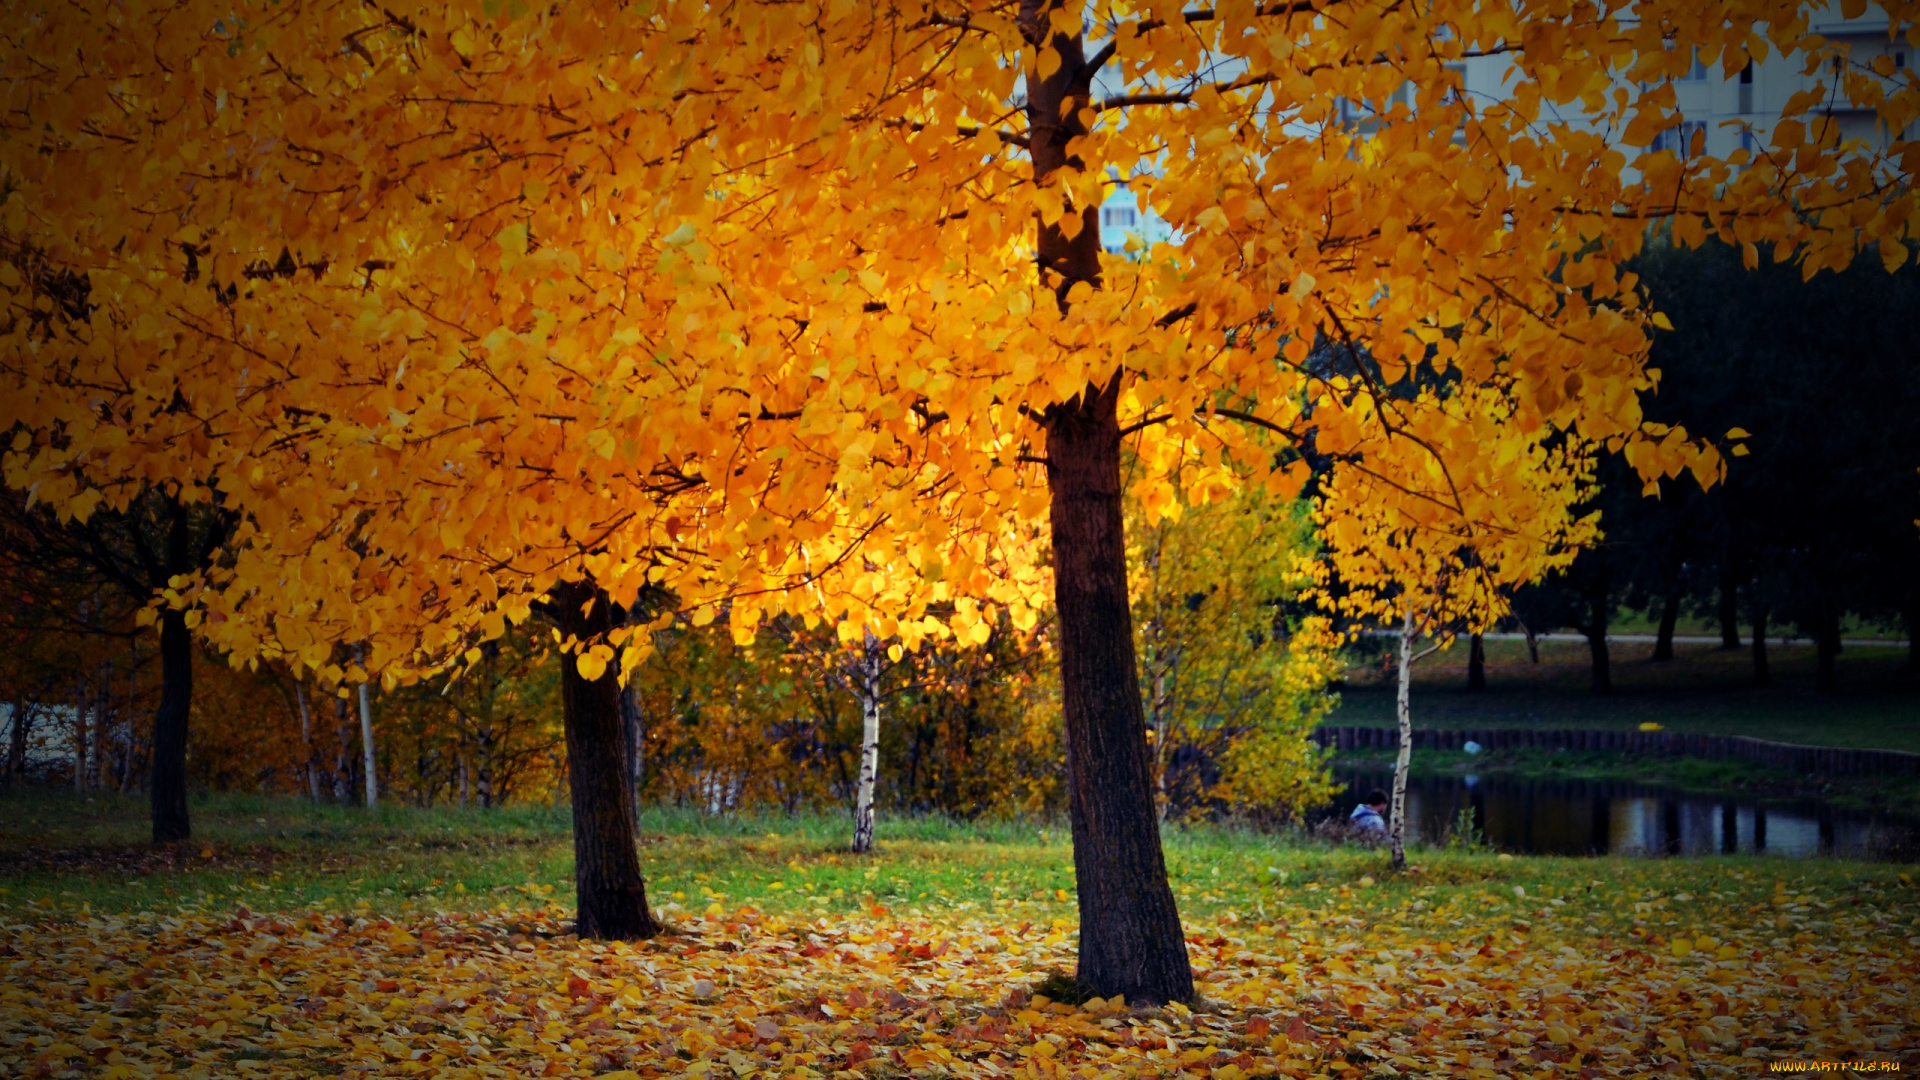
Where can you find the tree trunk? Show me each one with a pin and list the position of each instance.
(1403, 708)
(127, 752)
(1762, 675)
(99, 773)
(484, 785)
(82, 714)
(368, 762)
(868, 680)
(1826, 641)
(1669, 617)
(633, 726)
(1476, 664)
(169, 785)
(1130, 937)
(306, 741)
(1596, 630)
(17, 740)
(342, 751)
(1131, 942)
(1729, 606)
(611, 894)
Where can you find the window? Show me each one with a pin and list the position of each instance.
(1746, 88)
(1118, 217)
(1697, 72)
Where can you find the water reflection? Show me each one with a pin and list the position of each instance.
(1585, 818)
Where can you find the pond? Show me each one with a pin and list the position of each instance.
(1577, 817)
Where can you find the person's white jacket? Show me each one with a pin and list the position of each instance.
(1367, 819)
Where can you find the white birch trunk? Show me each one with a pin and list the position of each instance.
(306, 741)
(1403, 706)
(366, 737)
(868, 683)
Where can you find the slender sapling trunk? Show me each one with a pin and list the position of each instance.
(867, 679)
(1403, 757)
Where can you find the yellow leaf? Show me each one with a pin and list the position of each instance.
(1893, 253)
(1050, 61)
(1660, 320)
(591, 665)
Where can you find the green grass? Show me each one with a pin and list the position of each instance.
(283, 854)
(1704, 689)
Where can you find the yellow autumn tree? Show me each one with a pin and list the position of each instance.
(470, 313)
(1233, 685)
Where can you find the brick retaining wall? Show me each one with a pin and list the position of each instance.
(1820, 760)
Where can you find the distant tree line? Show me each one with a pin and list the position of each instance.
(1810, 388)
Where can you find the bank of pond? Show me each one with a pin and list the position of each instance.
(1534, 816)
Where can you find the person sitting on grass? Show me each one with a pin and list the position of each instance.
(1370, 817)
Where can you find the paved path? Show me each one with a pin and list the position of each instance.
(1679, 639)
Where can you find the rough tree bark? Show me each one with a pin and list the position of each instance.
(1596, 632)
(1403, 758)
(1669, 618)
(1762, 673)
(169, 783)
(182, 554)
(867, 680)
(611, 894)
(1476, 664)
(1130, 937)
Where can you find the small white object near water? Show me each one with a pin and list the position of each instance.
(1471, 747)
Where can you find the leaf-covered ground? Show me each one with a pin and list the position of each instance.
(789, 959)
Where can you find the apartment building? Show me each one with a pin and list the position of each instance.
(1727, 111)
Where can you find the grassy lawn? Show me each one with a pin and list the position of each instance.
(1704, 689)
(298, 941)
(58, 851)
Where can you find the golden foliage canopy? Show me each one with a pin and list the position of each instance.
(462, 301)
